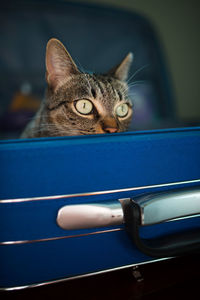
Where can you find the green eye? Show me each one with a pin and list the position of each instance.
(84, 106)
(122, 110)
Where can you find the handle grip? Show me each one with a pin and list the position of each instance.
(167, 246)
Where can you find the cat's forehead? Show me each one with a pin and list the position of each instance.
(103, 88)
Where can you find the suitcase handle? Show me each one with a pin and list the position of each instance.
(155, 205)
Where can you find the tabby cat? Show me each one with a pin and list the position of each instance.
(78, 103)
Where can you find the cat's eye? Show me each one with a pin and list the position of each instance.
(84, 106)
(122, 110)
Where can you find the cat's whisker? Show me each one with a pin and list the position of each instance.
(125, 90)
(137, 71)
(81, 67)
(39, 116)
(138, 82)
(84, 73)
(128, 88)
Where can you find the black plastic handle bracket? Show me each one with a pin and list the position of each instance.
(166, 246)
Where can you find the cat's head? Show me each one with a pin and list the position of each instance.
(79, 103)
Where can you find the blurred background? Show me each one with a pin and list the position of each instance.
(163, 35)
(177, 24)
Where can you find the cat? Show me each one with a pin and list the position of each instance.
(78, 103)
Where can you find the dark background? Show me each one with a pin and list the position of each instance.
(177, 278)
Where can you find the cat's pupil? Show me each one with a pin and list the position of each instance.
(122, 110)
(84, 106)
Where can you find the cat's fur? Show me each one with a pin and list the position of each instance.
(58, 116)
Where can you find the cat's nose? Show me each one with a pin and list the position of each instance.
(110, 129)
(109, 125)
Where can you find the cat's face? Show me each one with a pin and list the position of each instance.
(78, 103)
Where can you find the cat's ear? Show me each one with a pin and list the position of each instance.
(59, 64)
(120, 72)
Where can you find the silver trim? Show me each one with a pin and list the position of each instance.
(57, 238)
(80, 235)
(18, 200)
(83, 276)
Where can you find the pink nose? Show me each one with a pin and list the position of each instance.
(110, 129)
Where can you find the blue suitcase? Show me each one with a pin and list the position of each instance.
(75, 206)
(61, 200)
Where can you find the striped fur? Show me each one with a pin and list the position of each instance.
(58, 116)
